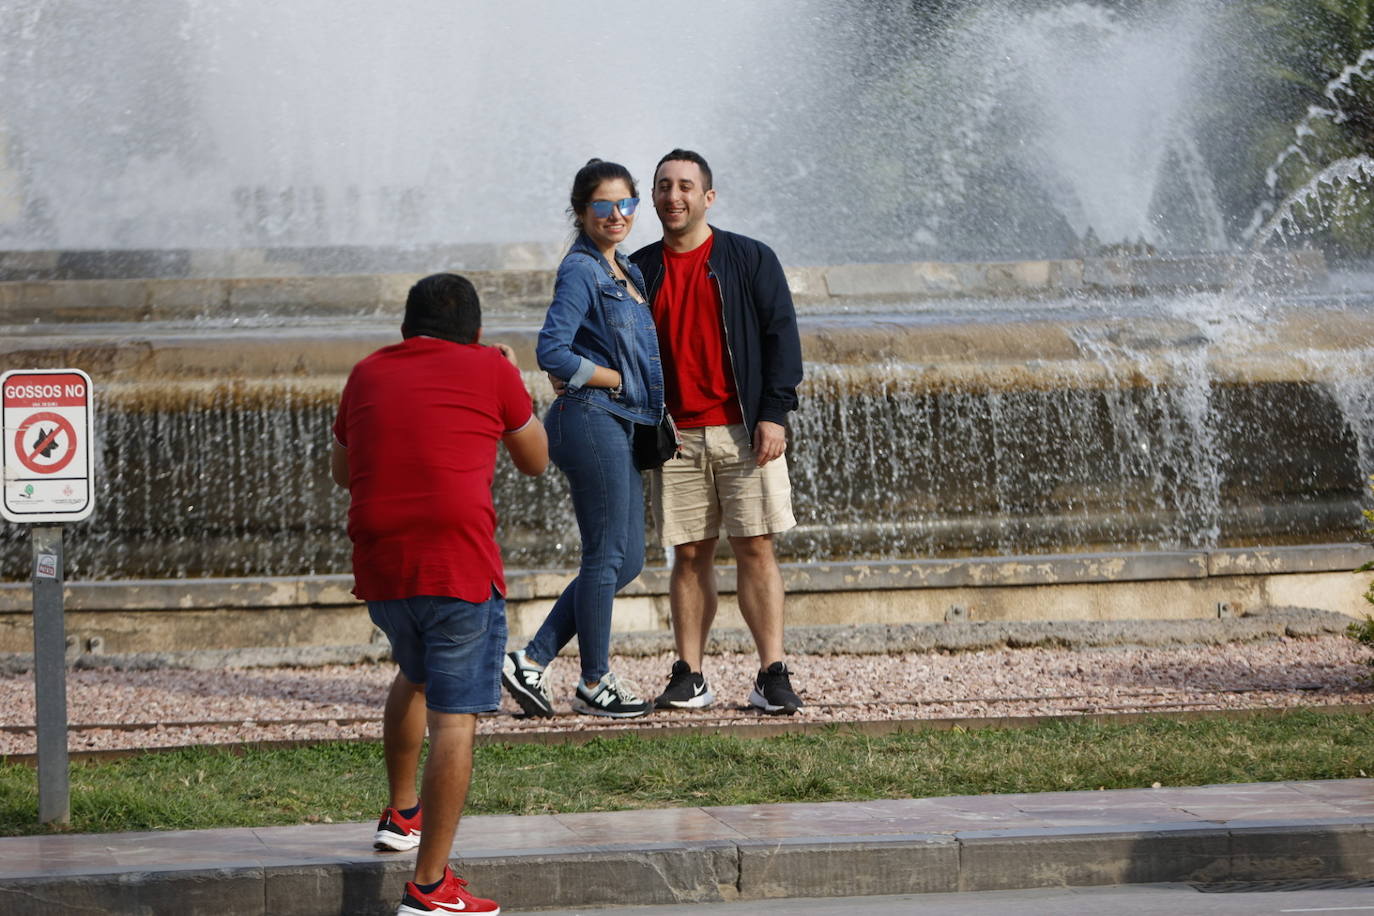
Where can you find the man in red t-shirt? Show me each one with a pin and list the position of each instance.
(732, 361)
(415, 444)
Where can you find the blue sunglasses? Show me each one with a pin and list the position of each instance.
(601, 209)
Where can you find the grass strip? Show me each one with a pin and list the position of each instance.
(206, 787)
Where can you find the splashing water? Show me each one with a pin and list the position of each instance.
(1305, 205)
(249, 124)
(1308, 151)
(1114, 119)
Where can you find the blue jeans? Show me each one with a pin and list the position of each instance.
(592, 448)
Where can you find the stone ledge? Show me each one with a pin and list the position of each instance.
(799, 578)
(146, 889)
(849, 866)
(165, 298)
(992, 571)
(644, 874)
(1064, 857)
(1247, 561)
(710, 871)
(825, 639)
(248, 263)
(190, 594)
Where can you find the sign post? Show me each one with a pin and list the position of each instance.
(48, 479)
(50, 676)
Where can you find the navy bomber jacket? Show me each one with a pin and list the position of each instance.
(760, 322)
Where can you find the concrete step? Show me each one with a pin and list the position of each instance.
(1248, 832)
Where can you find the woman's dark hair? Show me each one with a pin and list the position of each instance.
(589, 178)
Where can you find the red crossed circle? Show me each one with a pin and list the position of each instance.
(26, 456)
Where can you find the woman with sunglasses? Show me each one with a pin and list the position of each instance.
(599, 339)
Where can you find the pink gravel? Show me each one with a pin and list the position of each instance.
(182, 707)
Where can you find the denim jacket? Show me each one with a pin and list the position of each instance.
(593, 322)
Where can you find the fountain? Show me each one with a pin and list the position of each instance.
(248, 127)
(216, 239)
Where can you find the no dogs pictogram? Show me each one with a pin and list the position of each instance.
(45, 443)
(47, 447)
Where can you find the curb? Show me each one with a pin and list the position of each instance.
(666, 873)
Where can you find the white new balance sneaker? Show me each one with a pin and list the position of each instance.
(612, 697)
(527, 683)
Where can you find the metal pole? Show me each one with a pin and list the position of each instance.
(50, 676)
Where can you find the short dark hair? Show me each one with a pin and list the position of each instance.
(444, 306)
(686, 155)
(589, 178)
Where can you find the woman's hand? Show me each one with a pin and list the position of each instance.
(601, 378)
(604, 377)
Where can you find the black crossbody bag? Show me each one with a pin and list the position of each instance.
(655, 444)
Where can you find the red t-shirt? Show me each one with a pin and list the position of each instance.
(421, 420)
(699, 382)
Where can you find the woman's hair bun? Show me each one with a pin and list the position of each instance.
(592, 161)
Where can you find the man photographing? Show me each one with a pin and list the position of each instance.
(415, 443)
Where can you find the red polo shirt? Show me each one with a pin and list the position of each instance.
(421, 420)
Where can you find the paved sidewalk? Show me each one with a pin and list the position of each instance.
(1204, 834)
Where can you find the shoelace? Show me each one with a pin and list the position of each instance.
(782, 677)
(541, 677)
(626, 690)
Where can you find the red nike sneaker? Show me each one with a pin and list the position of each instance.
(397, 833)
(450, 896)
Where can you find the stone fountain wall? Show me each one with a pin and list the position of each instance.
(231, 480)
(1150, 425)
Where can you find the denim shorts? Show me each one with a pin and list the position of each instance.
(452, 647)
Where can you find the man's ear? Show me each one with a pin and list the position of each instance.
(478, 338)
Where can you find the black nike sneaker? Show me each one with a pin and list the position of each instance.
(773, 693)
(687, 689)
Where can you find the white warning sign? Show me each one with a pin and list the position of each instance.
(48, 445)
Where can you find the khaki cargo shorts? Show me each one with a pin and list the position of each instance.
(712, 483)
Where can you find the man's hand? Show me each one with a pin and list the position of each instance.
(559, 385)
(508, 353)
(770, 441)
